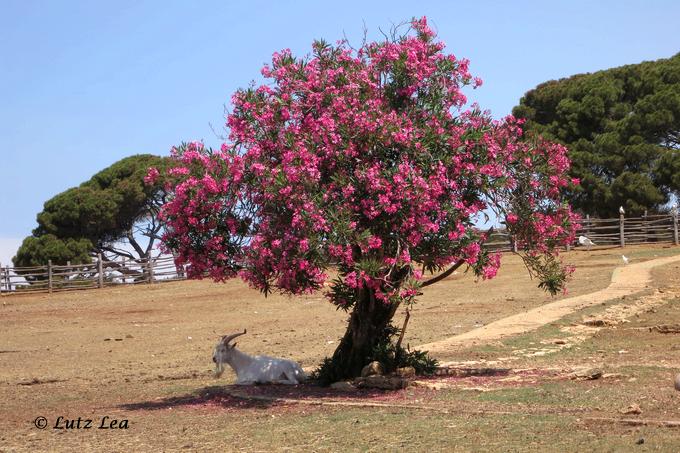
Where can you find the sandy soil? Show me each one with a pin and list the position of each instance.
(625, 281)
(143, 353)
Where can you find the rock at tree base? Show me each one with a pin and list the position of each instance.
(343, 386)
(406, 372)
(382, 382)
(467, 372)
(372, 369)
(429, 385)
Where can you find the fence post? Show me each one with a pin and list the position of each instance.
(513, 244)
(178, 269)
(8, 280)
(622, 231)
(100, 270)
(149, 264)
(49, 276)
(587, 225)
(675, 227)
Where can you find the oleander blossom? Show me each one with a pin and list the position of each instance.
(152, 176)
(367, 162)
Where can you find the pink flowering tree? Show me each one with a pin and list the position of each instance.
(362, 164)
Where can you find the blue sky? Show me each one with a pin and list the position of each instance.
(84, 84)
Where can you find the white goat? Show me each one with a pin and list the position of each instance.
(259, 369)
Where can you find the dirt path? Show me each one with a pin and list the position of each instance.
(625, 281)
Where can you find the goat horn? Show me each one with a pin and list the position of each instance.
(227, 338)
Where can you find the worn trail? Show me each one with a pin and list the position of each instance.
(626, 280)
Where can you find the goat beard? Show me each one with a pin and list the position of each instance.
(219, 369)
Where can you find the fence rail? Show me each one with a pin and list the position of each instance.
(623, 231)
(98, 274)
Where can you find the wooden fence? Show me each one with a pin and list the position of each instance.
(648, 229)
(98, 274)
(624, 231)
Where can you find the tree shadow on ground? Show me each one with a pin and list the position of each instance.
(208, 396)
(258, 396)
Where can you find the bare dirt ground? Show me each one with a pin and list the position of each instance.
(626, 280)
(142, 354)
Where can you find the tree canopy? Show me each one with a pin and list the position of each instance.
(622, 128)
(37, 250)
(113, 206)
(365, 162)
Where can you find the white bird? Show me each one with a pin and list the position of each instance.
(625, 259)
(621, 210)
(582, 240)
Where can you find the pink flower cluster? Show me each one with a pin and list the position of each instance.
(152, 176)
(350, 158)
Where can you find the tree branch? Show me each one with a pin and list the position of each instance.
(149, 247)
(444, 274)
(403, 330)
(135, 245)
(117, 252)
(452, 269)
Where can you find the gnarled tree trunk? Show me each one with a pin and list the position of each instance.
(366, 327)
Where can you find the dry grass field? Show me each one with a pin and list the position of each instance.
(143, 354)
